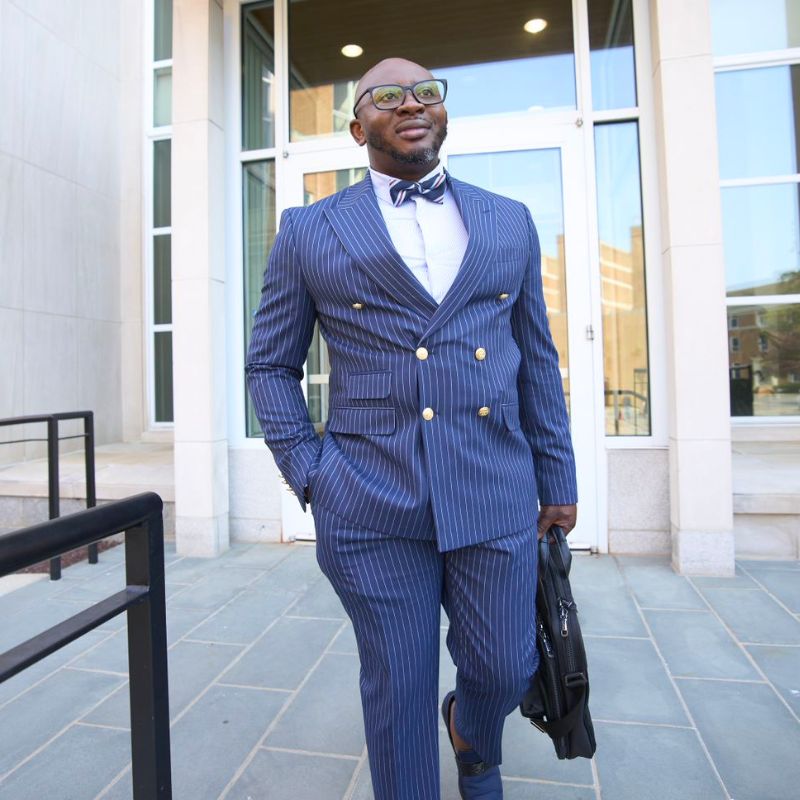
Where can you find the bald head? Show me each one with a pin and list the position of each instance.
(392, 70)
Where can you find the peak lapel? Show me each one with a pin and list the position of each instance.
(360, 227)
(480, 219)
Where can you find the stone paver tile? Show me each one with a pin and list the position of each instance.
(753, 616)
(628, 683)
(93, 756)
(525, 790)
(696, 644)
(41, 669)
(755, 563)
(325, 716)
(646, 762)
(655, 585)
(345, 642)
(283, 656)
(211, 742)
(608, 611)
(737, 581)
(529, 753)
(244, 618)
(182, 620)
(29, 720)
(319, 601)
(92, 589)
(214, 590)
(296, 573)
(190, 570)
(781, 665)
(751, 736)
(192, 667)
(256, 556)
(18, 626)
(277, 775)
(784, 584)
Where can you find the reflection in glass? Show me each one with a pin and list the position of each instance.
(162, 182)
(162, 96)
(761, 236)
(765, 363)
(742, 26)
(316, 186)
(758, 122)
(612, 56)
(493, 65)
(258, 186)
(162, 353)
(533, 177)
(258, 79)
(622, 277)
(162, 29)
(162, 279)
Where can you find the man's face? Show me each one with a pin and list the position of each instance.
(404, 141)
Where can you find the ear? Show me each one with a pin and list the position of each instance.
(357, 132)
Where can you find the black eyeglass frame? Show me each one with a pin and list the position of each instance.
(405, 89)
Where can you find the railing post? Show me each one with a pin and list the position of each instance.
(53, 491)
(91, 488)
(147, 663)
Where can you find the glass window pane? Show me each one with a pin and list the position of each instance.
(622, 277)
(162, 351)
(260, 225)
(761, 234)
(742, 26)
(764, 358)
(162, 279)
(533, 177)
(162, 182)
(493, 64)
(162, 21)
(757, 122)
(317, 185)
(612, 56)
(258, 79)
(162, 96)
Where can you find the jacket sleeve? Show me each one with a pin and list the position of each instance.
(282, 331)
(543, 412)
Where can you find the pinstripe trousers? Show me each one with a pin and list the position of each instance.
(393, 589)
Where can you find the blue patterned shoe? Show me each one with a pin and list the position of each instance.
(476, 780)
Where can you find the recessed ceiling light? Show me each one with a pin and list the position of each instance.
(352, 50)
(535, 25)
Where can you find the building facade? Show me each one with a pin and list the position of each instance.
(152, 145)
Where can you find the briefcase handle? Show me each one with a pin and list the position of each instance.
(557, 550)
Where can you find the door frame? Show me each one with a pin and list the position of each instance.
(470, 136)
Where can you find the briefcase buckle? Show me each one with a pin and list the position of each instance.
(574, 680)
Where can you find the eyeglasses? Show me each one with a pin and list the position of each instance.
(389, 96)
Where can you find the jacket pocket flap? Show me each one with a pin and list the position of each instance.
(368, 385)
(344, 419)
(511, 415)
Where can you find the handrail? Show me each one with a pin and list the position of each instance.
(53, 492)
(143, 598)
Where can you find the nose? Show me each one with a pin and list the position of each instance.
(411, 104)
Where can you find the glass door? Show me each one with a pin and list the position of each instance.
(546, 172)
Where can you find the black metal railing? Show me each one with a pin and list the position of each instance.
(53, 487)
(140, 517)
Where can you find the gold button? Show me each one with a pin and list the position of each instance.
(480, 354)
(422, 353)
(483, 411)
(503, 296)
(358, 306)
(427, 413)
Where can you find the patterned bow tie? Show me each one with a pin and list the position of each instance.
(431, 189)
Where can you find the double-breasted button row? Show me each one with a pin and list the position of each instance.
(428, 413)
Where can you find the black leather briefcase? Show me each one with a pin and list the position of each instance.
(557, 701)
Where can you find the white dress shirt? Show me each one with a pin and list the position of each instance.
(430, 237)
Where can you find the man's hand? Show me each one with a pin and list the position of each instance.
(563, 516)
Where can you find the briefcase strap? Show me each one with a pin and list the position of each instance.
(563, 725)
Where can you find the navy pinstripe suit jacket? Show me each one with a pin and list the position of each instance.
(462, 477)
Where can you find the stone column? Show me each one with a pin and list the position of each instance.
(198, 279)
(694, 283)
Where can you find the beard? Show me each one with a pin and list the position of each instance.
(422, 155)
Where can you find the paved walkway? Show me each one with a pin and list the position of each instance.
(695, 687)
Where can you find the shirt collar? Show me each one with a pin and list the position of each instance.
(382, 183)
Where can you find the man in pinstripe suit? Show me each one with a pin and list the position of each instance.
(447, 438)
